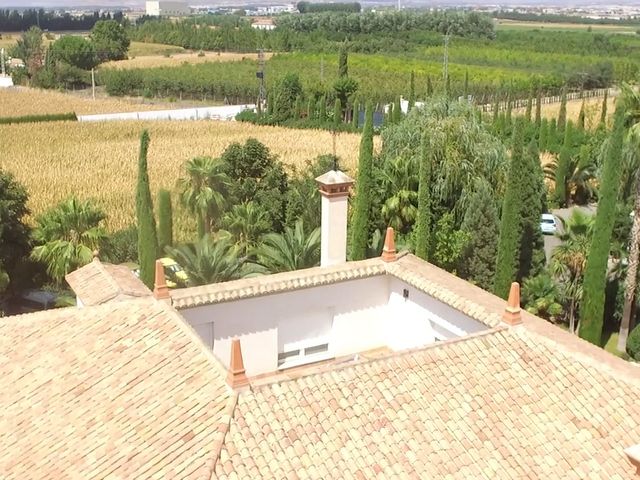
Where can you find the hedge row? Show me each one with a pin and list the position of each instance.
(56, 117)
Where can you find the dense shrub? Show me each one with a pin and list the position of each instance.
(56, 117)
(633, 343)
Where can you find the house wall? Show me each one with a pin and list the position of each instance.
(347, 315)
(350, 317)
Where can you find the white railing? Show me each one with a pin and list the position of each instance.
(224, 113)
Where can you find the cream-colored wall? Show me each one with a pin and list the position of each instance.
(351, 317)
(333, 244)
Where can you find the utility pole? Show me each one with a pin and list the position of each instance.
(2, 62)
(93, 83)
(260, 75)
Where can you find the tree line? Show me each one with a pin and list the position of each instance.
(314, 7)
(22, 20)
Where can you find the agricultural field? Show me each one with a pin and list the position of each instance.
(503, 24)
(592, 111)
(21, 101)
(99, 161)
(148, 60)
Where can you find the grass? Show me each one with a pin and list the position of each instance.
(592, 111)
(150, 60)
(137, 49)
(98, 160)
(610, 341)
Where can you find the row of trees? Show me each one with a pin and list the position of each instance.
(22, 20)
(67, 61)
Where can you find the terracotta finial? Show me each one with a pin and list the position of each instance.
(389, 249)
(95, 254)
(160, 289)
(237, 377)
(633, 453)
(512, 314)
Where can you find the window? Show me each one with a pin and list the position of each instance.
(303, 355)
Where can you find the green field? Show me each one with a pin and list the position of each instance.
(565, 26)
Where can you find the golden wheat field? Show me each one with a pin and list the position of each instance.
(151, 61)
(18, 101)
(99, 160)
(592, 112)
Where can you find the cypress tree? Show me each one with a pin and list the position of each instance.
(412, 90)
(355, 114)
(165, 220)
(397, 111)
(562, 114)
(389, 119)
(603, 112)
(510, 225)
(581, 116)
(310, 108)
(478, 260)
(538, 108)
(527, 113)
(337, 112)
(297, 113)
(508, 118)
(270, 100)
(595, 275)
(364, 187)
(552, 137)
(322, 109)
(429, 87)
(465, 91)
(423, 222)
(543, 137)
(496, 111)
(343, 62)
(562, 169)
(532, 195)
(147, 238)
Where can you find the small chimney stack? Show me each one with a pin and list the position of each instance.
(160, 289)
(237, 377)
(512, 314)
(334, 186)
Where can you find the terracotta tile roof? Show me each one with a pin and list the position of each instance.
(119, 391)
(276, 283)
(98, 282)
(496, 405)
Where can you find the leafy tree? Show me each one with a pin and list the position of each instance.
(121, 246)
(478, 259)
(449, 243)
(30, 49)
(14, 232)
(293, 249)
(75, 51)
(592, 309)
(364, 186)
(256, 175)
(423, 224)
(110, 39)
(247, 222)
(67, 235)
(633, 344)
(147, 237)
(510, 225)
(203, 191)
(165, 220)
(286, 92)
(212, 260)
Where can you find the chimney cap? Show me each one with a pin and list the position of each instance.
(160, 289)
(335, 183)
(513, 314)
(389, 249)
(237, 377)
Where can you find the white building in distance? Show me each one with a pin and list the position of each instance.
(161, 8)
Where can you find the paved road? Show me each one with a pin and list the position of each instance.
(552, 241)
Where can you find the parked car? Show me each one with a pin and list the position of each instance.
(548, 224)
(36, 300)
(175, 275)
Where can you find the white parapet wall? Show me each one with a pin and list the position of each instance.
(5, 81)
(225, 113)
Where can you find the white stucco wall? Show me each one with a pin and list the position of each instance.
(352, 317)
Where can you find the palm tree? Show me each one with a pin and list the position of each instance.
(541, 296)
(67, 236)
(291, 250)
(400, 181)
(247, 222)
(203, 190)
(580, 179)
(212, 260)
(569, 259)
(631, 102)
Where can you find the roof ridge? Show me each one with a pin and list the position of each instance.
(390, 356)
(223, 429)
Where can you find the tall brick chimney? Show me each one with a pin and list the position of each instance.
(334, 188)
